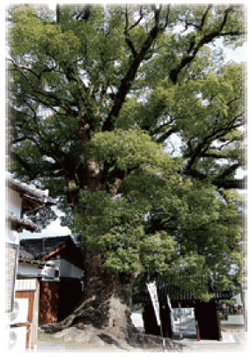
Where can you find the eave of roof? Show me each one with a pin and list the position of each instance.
(54, 252)
(20, 223)
(31, 261)
(27, 258)
(39, 196)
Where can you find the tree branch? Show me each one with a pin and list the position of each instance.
(205, 16)
(49, 95)
(127, 38)
(167, 17)
(130, 75)
(115, 178)
(138, 21)
(217, 133)
(24, 164)
(218, 181)
(228, 171)
(205, 40)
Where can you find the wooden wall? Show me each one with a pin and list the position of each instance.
(49, 298)
(58, 299)
(33, 297)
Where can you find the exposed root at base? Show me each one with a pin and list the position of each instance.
(104, 323)
(87, 336)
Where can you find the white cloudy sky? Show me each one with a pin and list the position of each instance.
(52, 230)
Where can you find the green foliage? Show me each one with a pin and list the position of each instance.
(97, 97)
(117, 228)
(132, 148)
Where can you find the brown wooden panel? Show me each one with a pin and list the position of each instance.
(27, 295)
(49, 298)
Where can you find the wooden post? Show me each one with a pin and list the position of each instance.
(166, 322)
(34, 327)
(197, 330)
(197, 325)
(218, 324)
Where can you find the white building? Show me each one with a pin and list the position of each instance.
(20, 198)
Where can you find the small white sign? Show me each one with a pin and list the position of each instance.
(171, 313)
(154, 297)
(169, 303)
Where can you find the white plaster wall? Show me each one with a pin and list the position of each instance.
(68, 270)
(14, 203)
(28, 270)
(10, 235)
(13, 206)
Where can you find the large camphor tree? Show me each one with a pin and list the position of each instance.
(132, 117)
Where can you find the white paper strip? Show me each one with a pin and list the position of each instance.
(154, 297)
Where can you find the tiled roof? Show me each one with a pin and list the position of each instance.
(30, 193)
(23, 254)
(20, 223)
(40, 247)
(24, 188)
(28, 258)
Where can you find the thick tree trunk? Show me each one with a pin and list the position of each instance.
(102, 311)
(100, 294)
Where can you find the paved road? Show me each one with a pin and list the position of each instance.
(231, 342)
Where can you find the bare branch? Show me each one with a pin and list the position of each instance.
(218, 181)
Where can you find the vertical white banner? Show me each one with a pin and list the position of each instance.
(154, 297)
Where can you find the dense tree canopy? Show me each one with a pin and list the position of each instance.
(130, 115)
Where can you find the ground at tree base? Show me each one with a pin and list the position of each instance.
(108, 323)
(48, 343)
(90, 339)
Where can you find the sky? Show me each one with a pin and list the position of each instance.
(52, 230)
(55, 229)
